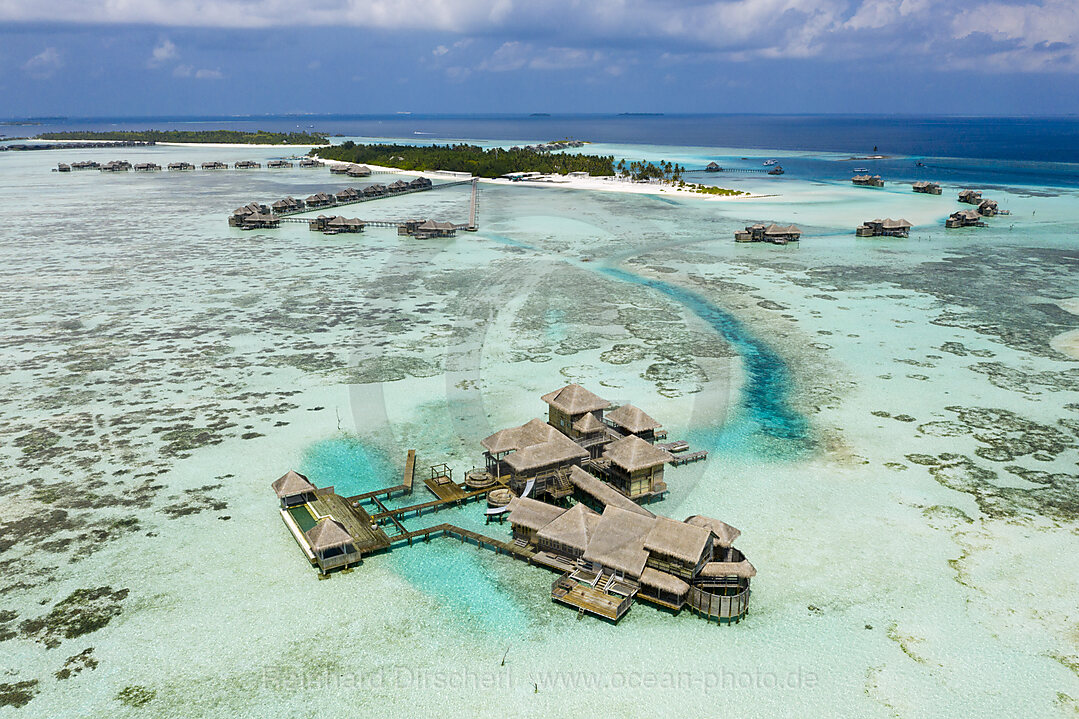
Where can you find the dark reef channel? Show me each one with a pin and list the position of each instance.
(768, 380)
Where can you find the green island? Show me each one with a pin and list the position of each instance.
(233, 137)
(467, 158)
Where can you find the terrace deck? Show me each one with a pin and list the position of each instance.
(357, 522)
(589, 599)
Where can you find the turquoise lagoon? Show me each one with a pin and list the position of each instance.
(889, 426)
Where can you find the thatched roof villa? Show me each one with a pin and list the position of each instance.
(320, 199)
(884, 228)
(964, 218)
(926, 187)
(867, 180)
(432, 229)
(776, 234)
(618, 554)
(970, 197)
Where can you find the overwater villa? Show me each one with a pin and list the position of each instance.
(927, 188)
(62, 167)
(247, 165)
(420, 183)
(776, 234)
(536, 458)
(339, 169)
(311, 162)
(116, 166)
(712, 167)
(964, 218)
(358, 171)
(884, 228)
(323, 524)
(988, 208)
(278, 164)
(430, 229)
(867, 180)
(348, 194)
(147, 167)
(374, 190)
(777, 170)
(397, 186)
(183, 166)
(288, 205)
(970, 197)
(214, 166)
(335, 225)
(86, 165)
(260, 221)
(320, 199)
(622, 554)
(240, 214)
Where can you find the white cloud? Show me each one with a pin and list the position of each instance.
(43, 65)
(1027, 32)
(163, 52)
(190, 71)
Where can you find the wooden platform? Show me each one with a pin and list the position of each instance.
(356, 521)
(448, 491)
(687, 458)
(588, 599)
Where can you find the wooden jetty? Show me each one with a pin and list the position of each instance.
(678, 460)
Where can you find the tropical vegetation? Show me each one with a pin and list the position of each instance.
(478, 161)
(235, 137)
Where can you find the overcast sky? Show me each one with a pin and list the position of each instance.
(157, 57)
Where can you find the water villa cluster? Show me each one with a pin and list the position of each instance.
(776, 234)
(973, 218)
(124, 165)
(867, 180)
(571, 488)
(884, 228)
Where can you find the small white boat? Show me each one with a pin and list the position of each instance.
(861, 169)
(769, 163)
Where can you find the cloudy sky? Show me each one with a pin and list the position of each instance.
(159, 57)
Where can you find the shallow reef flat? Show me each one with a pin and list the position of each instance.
(890, 425)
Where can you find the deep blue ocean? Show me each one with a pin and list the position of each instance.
(1013, 150)
(1033, 139)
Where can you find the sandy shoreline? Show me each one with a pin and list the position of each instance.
(598, 184)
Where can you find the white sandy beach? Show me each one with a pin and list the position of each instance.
(601, 184)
